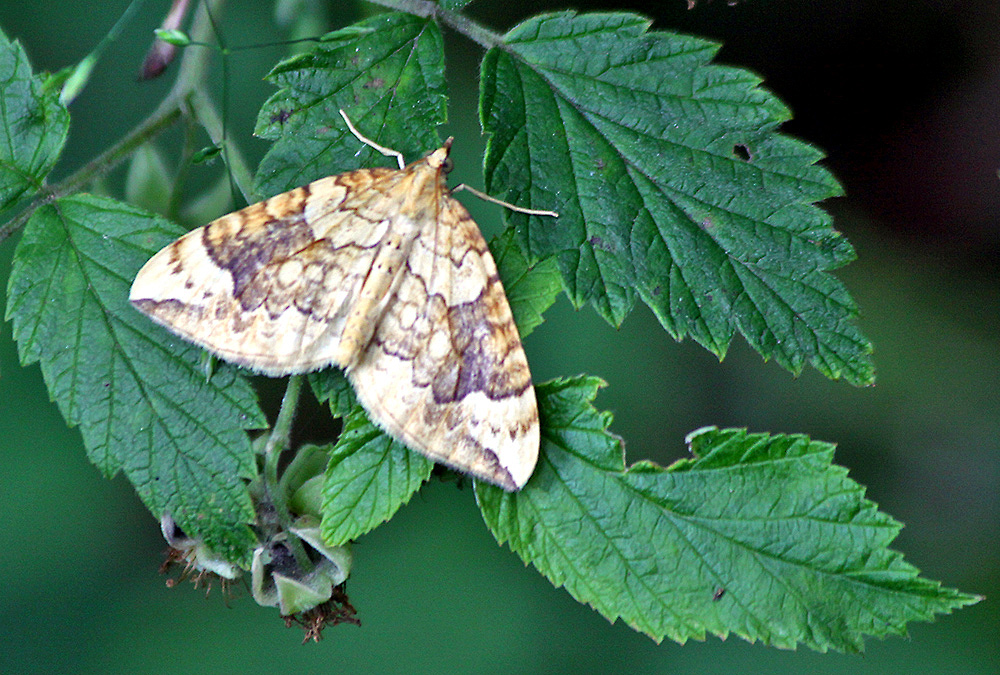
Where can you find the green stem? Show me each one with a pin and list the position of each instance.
(277, 443)
(101, 165)
(282, 431)
(458, 22)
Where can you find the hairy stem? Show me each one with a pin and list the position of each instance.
(277, 443)
(282, 431)
(458, 22)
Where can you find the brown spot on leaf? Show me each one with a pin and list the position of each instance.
(281, 116)
(598, 242)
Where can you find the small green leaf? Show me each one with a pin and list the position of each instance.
(758, 535)
(331, 387)
(369, 477)
(172, 36)
(673, 187)
(33, 126)
(386, 73)
(206, 154)
(137, 392)
(531, 289)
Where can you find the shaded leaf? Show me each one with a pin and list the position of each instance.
(330, 386)
(33, 126)
(531, 289)
(370, 475)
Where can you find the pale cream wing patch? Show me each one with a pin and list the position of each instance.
(269, 287)
(445, 370)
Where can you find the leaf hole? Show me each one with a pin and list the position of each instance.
(741, 151)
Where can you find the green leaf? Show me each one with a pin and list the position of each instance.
(172, 36)
(33, 126)
(370, 475)
(386, 73)
(331, 387)
(137, 392)
(206, 154)
(78, 79)
(673, 187)
(531, 289)
(758, 535)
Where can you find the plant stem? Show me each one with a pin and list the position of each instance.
(277, 442)
(99, 166)
(282, 430)
(458, 22)
(192, 72)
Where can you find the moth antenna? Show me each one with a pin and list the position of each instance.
(512, 207)
(369, 142)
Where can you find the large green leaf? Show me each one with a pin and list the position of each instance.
(33, 126)
(137, 392)
(386, 73)
(673, 187)
(757, 535)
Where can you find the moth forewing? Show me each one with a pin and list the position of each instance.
(258, 287)
(379, 271)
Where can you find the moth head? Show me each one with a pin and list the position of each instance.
(439, 159)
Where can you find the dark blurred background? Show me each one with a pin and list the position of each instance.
(903, 95)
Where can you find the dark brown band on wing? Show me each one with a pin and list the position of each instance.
(244, 242)
(488, 353)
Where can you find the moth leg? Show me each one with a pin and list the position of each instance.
(512, 207)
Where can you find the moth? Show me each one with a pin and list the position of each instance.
(382, 273)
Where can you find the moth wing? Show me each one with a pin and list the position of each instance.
(269, 287)
(445, 370)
